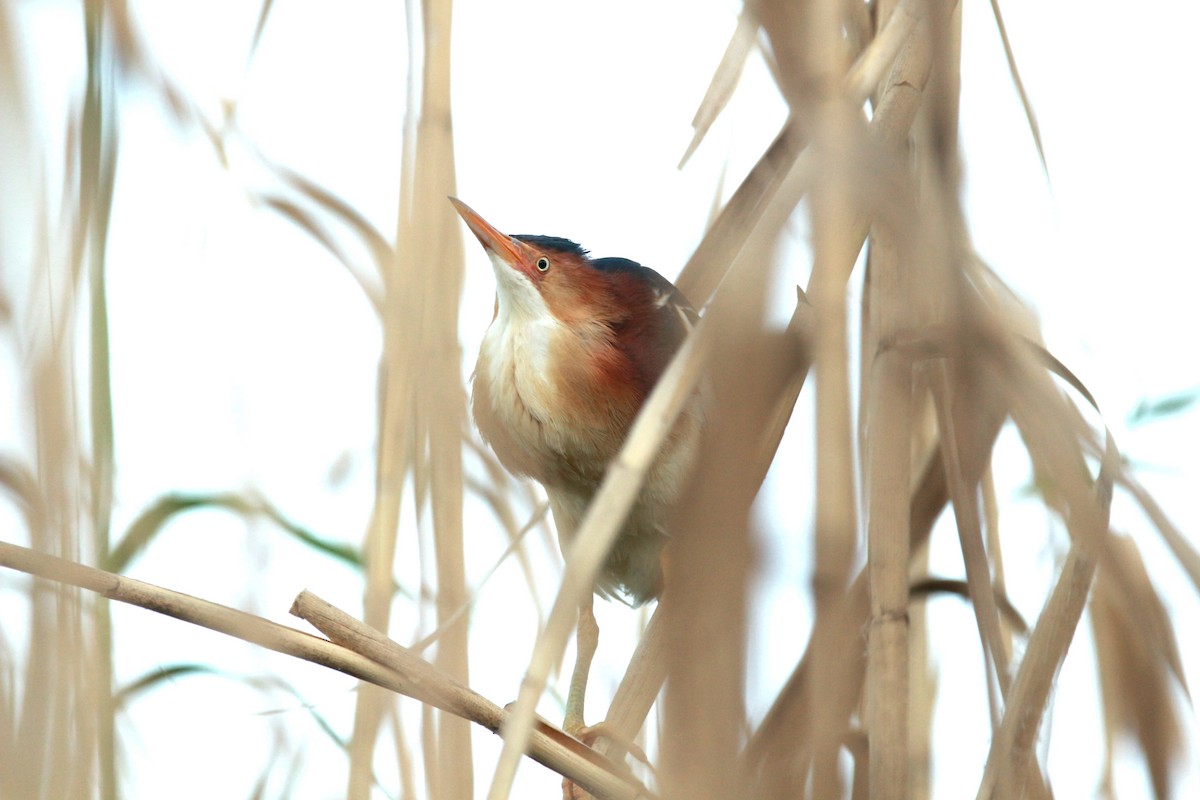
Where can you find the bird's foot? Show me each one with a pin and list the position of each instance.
(588, 735)
(573, 791)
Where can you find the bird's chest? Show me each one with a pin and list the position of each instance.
(519, 362)
(546, 403)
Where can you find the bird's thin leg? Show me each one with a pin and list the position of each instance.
(587, 636)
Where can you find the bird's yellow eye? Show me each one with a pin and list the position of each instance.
(543, 264)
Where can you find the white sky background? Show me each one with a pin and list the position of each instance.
(244, 356)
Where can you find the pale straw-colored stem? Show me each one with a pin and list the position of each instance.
(889, 427)
(966, 515)
(364, 653)
(1053, 434)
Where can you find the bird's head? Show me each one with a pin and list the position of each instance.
(549, 279)
(537, 275)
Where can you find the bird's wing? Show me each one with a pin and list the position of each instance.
(675, 315)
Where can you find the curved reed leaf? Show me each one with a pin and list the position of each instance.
(724, 81)
(151, 522)
(1030, 117)
(159, 675)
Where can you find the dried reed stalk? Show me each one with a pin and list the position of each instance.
(61, 740)
(435, 256)
(423, 404)
(647, 669)
(373, 658)
(889, 407)
(751, 372)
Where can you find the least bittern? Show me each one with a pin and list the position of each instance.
(575, 346)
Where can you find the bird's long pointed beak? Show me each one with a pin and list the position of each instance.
(504, 246)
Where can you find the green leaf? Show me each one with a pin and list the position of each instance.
(161, 675)
(1156, 409)
(154, 519)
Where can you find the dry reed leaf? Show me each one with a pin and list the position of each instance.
(1181, 548)
(339, 209)
(1030, 117)
(724, 81)
(798, 340)
(130, 53)
(259, 28)
(991, 513)
(811, 45)
(1138, 661)
(67, 729)
(314, 226)
(423, 405)
(395, 442)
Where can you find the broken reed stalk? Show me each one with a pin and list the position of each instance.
(374, 659)
(438, 689)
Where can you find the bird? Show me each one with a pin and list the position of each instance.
(575, 346)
